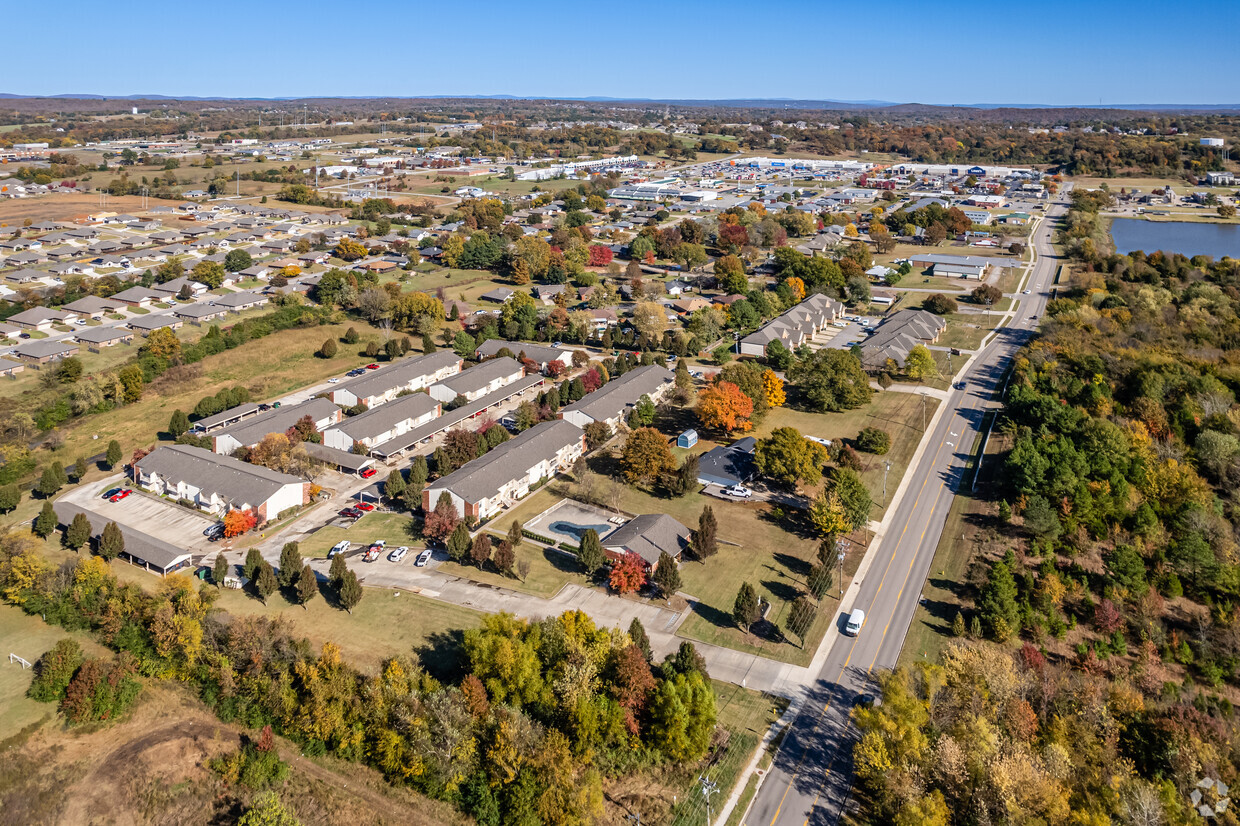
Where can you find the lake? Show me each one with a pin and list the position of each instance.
(1184, 237)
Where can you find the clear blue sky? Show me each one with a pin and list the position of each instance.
(970, 51)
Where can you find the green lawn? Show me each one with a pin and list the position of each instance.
(916, 280)
(550, 570)
(27, 637)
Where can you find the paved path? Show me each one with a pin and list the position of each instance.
(811, 778)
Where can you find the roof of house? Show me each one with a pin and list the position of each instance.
(964, 260)
(99, 335)
(137, 294)
(540, 353)
(483, 477)
(39, 315)
(799, 321)
(200, 310)
(252, 430)
(44, 349)
(649, 535)
(93, 304)
(621, 393)
(240, 299)
(733, 462)
(386, 416)
(498, 294)
(480, 375)
(231, 479)
(899, 333)
(377, 382)
(153, 322)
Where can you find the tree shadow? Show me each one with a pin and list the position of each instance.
(794, 564)
(443, 655)
(561, 562)
(795, 521)
(766, 630)
(717, 618)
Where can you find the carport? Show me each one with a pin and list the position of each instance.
(142, 550)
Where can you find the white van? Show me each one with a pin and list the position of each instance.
(855, 621)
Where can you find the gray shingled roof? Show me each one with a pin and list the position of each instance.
(384, 417)
(480, 375)
(251, 431)
(231, 479)
(484, 476)
(378, 382)
(100, 335)
(649, 535)
(619, 394)
(240, 410)
(44, 349)
(540, 353)
(138, 545)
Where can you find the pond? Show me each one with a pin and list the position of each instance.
(1184, 237)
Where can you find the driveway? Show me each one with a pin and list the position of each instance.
(145, 513)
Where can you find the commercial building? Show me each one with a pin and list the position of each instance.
(959, 266)
(249, 433)
(795, 326)
(218, 484)
(382, 385)
(612, 402)
(478, 380)
(507, 473)
(384, 423)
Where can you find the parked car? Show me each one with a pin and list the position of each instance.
(423, 558)
(398, 554)
(738, 492)
(372, 553)
(367, 473)
(109, 494)
(364, 506)
(214, 530)
(820, 440)
(119, 495)
(333, 380)
(351, 513)
(339, 548)
(372, 367)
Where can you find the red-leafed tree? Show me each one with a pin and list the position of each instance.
(237, 522)
(591, 380)
(628, 575)
(733, 236)
(441, 521)
(555, 368)
(1107, 617)
(631, 683)
(600, 256)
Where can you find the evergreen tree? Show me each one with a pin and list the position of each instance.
(637, 633)
(590, 554)
(10, 497)
(801, 617)
(419, 472)
(266, 583)
(335, 575)
(350, 591)
(307, 586)
(78, 532)
(49, 482)
(114, 454)
(746, 609)
(61, 477)
(821, 578)
(975, 627)
(459, 542)
(178, 424)
(111, 542)
(290, 564)
(998, 605)
(428, 343)
(219, 571)
(395, 485)
(705, 539)
(253, 559)
(958, 629)
(79, 469)
(666, 575)
(45, 523)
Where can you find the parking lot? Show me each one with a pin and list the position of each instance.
(151, 515)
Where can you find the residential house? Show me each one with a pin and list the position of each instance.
(898, 334)
(45, 352)
(238, 301)
(42, 318)
(141, 297)
(500, 295)
(648, 537)
(96, 338)
(728, 465)
(148, 324)
(508, 472)
(795, 326)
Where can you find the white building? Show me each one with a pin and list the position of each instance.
(219, 483)
(384, 423)
(478, 380)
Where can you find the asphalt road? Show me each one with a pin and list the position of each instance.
(811, 778)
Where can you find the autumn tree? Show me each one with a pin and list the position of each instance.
(789, 458)
(480, 549)
(237, 522)
(504, 557)
(628, 575)
(919, 363)
(646, 456)
(831, 380)
(723, 406)
(773, 389)
(442, 521)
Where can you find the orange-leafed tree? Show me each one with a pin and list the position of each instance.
(628, 575)
(722, 406)
(237, 522)
(797, 286)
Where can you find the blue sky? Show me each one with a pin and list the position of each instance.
(969, 51)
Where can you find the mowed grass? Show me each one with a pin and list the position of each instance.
(28, 637)
(269, 367)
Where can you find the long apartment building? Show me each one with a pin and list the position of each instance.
(217, 483)
(612, 402)
(249, 432)
(385, 384)
(383, 423)
(478, 381)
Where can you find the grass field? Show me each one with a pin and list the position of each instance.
(27, 637)
(916, 280)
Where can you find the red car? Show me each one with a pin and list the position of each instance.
(372, 367)
(364, 506)
(367, 473)
(351, 513)
(120, 495)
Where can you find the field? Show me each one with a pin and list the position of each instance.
(1143, 184)
(67, 207)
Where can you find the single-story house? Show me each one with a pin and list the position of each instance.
(41, 318)
(244, 300)
(137, 297)
(200, 312)
(44, 352)
(728, 465)
(500, 295)
(795, 326)
(150, 323)
(92, 306)
(219, 484)
(96, 338)
(648, 536)
(507, 473)
(24, 276)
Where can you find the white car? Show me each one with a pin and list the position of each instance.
(398, 554)
(80, 321)
(1026, 292)
(333, 381)
(820, 440)
(738, 492)
(423, 558)
(339, 548)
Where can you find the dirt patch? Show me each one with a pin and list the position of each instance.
(153, 768)
(68, 207)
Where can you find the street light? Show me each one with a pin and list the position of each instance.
(709, 787)
(736, 337)
(842, 548)
(886, 467)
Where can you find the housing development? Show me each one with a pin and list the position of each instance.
(603, 461)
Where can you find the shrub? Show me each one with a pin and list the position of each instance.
(874, 440)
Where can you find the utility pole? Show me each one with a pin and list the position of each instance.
(923, 412)
(841, 547)
(709, 787)
(886, 467)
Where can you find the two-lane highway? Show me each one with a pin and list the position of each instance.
(811, 777)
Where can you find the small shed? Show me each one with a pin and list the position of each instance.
(687, 439)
